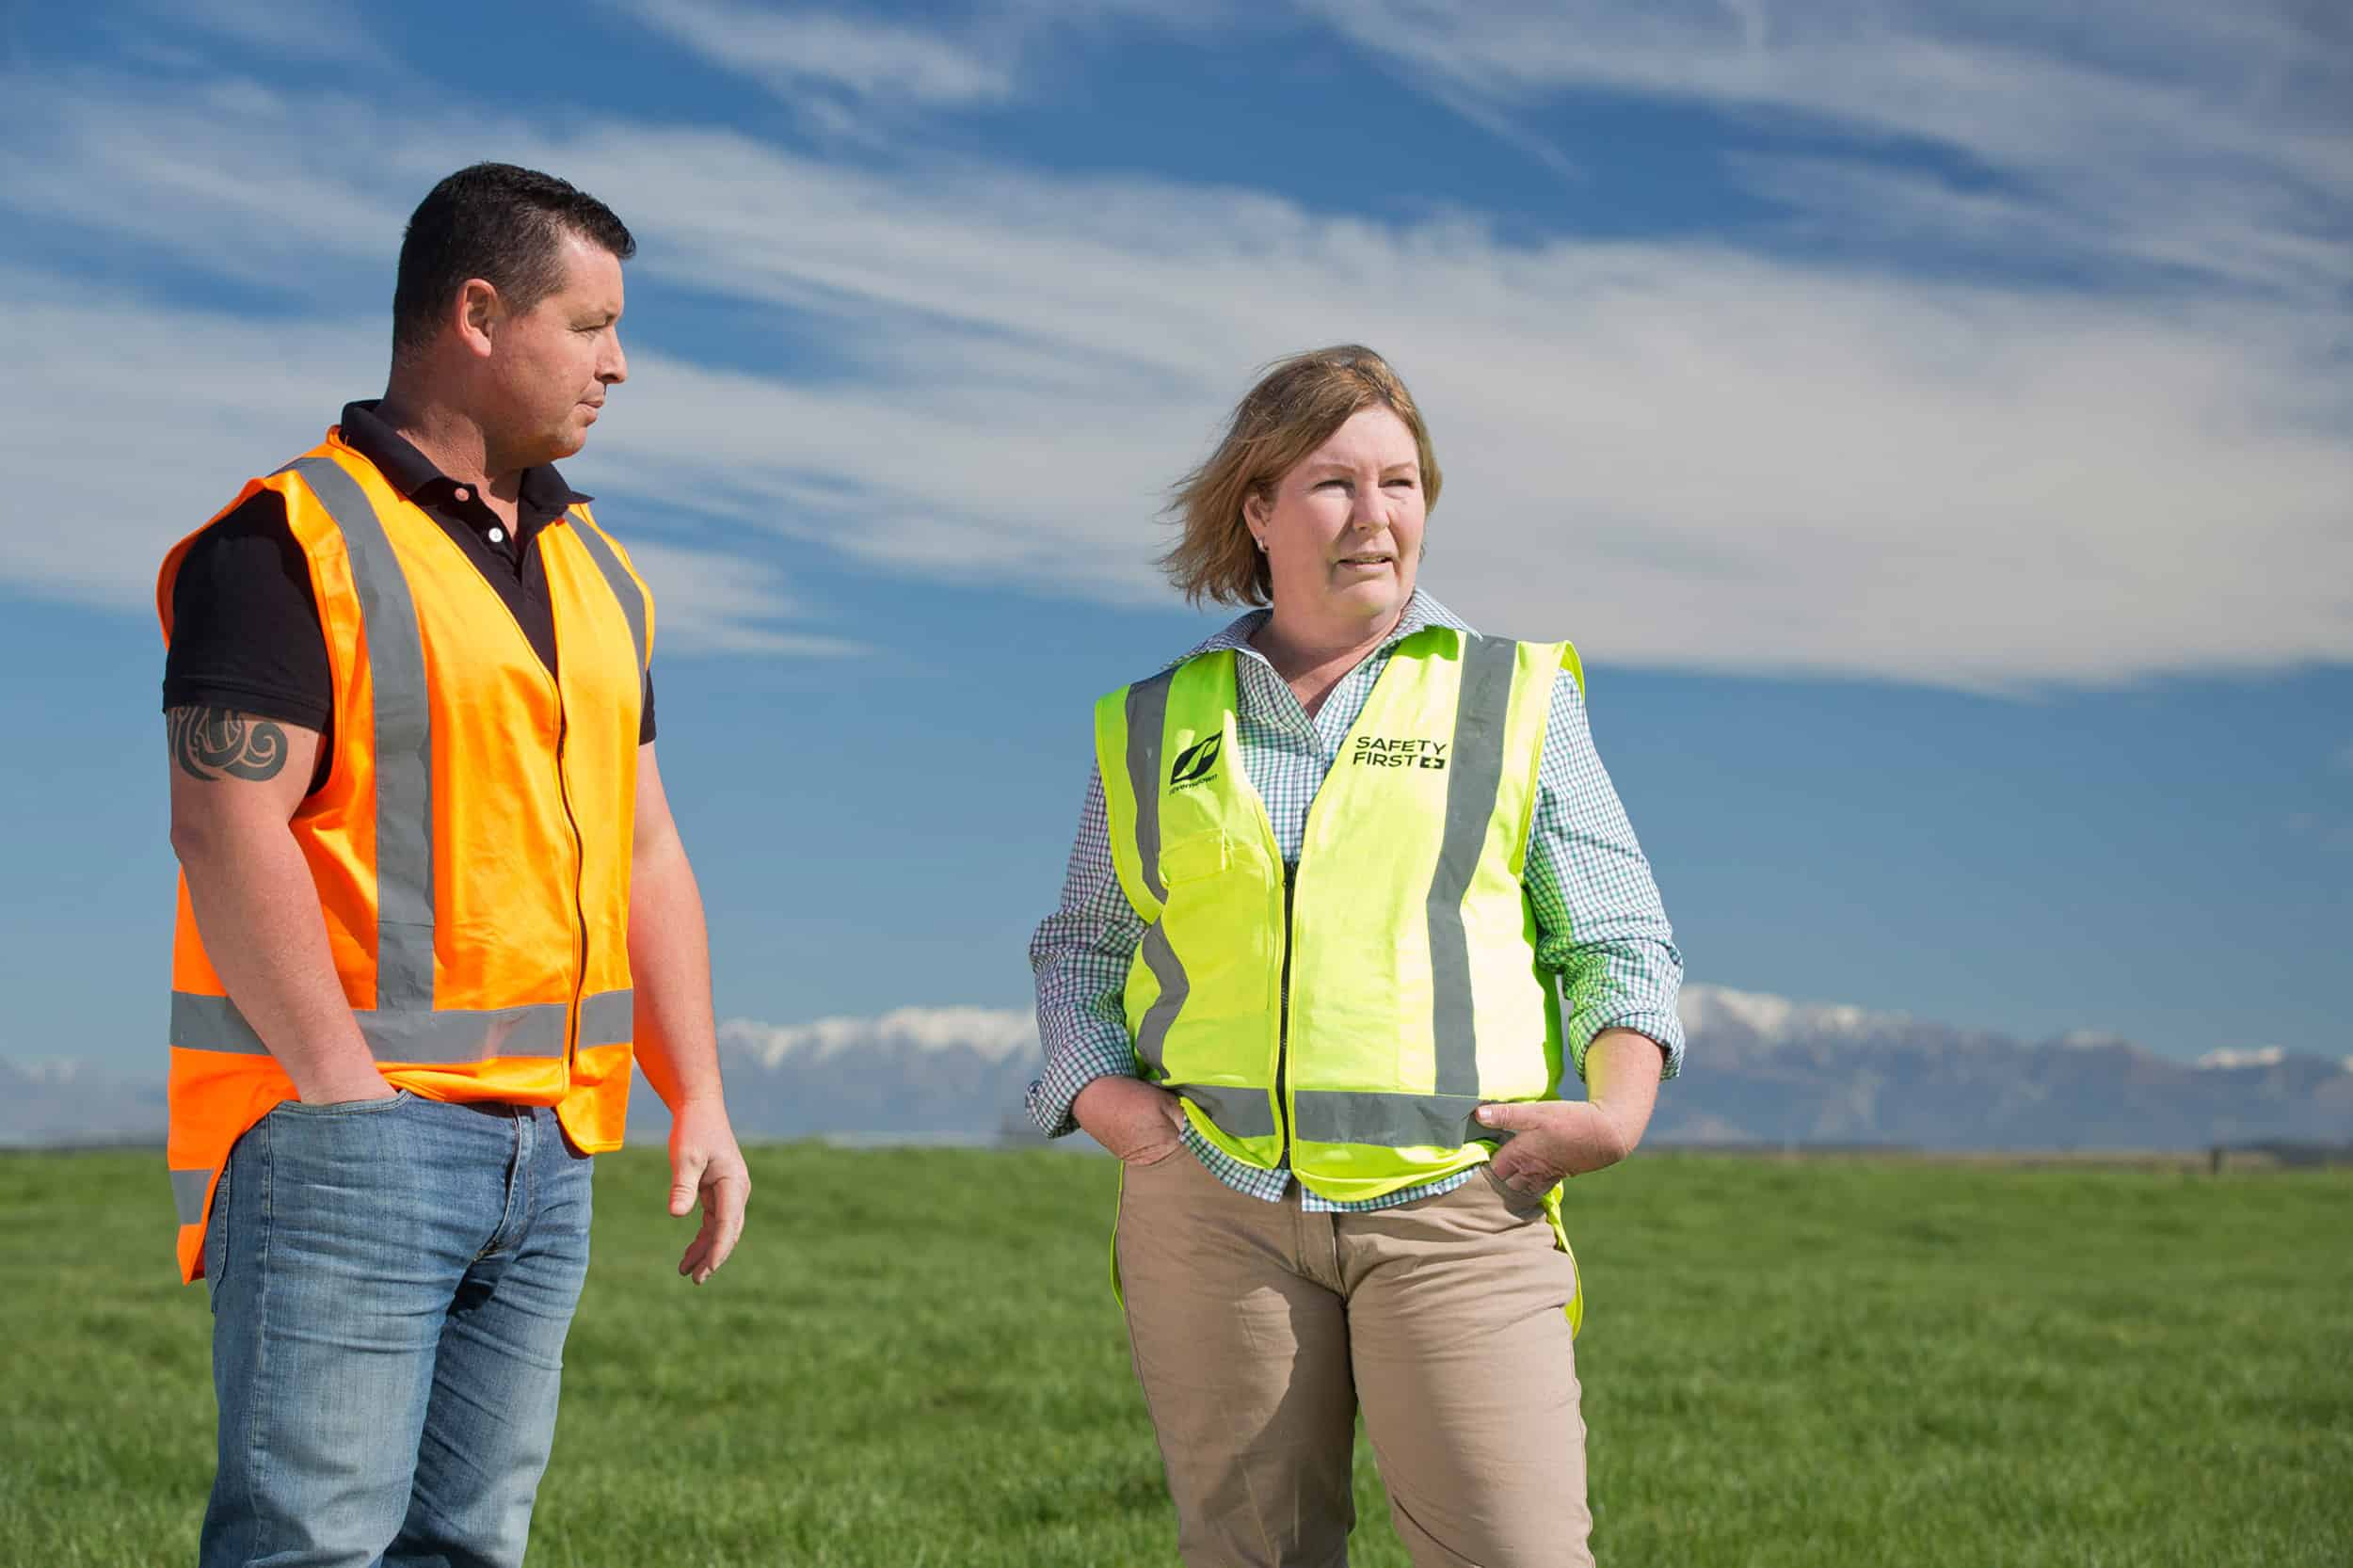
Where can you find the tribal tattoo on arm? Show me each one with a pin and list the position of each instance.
(221, 742)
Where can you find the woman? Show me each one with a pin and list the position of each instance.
(1303, 983)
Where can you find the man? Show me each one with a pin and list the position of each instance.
(431, 895)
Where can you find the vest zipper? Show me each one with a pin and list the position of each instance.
(571, 819)
(564, 793)
(580, 870)
(1283, 1018)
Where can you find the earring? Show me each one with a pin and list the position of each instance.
(1260, 542)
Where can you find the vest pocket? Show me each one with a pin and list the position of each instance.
(1190, 859)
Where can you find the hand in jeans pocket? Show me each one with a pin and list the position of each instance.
(373, 1103)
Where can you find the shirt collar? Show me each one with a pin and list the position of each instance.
(1422, 611)
(542, 490)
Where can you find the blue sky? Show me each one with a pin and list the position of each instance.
(1932, 422)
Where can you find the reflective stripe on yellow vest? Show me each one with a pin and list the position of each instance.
(470, 844)
(1351, 1011)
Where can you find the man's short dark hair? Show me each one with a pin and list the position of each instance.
(499, 223)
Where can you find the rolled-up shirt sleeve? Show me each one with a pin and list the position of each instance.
(1079, 957)
(1600, 923)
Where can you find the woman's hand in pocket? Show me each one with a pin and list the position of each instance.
(1557, 1138)
(1552, 1141)
(1140, 1122)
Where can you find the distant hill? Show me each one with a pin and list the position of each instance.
(1762, 1069)
(66, 1102)
(1766, 1069)
(929, 1070)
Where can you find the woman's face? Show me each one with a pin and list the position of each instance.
(1343, 530)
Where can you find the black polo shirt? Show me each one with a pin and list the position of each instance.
(246, 624)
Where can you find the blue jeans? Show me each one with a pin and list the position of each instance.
(392, 1281)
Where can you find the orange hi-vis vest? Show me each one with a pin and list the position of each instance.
(471, 841)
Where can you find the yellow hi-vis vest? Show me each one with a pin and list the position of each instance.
(1352, 1011)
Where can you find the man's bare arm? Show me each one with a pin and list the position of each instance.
(236, 781)
(669, 960)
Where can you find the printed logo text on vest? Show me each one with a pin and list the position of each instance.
(1399, 754)
(1195, 761)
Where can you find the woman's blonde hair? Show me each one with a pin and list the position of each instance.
(1297, 405)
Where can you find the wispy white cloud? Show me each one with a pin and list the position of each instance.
(1684, 456)
(792, 52)
(2237, 1058)
(852, 76)
(2178, 135)
(82, 524)
(334, 31)
(205, 392)
(996, 1034)
(226, 174)
(1721, 1018)
(713, 602)
(1709, 1010)
(2222, 234)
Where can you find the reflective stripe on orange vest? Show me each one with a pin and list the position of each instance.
(471, 794)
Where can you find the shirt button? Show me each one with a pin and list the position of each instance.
(498, 535)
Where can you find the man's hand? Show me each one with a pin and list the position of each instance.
(706, 1166)
(360, 1082)
(1140, 1122)
(669, 964)
(1558, 1139)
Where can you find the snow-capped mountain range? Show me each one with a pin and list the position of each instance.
(1762, 1068)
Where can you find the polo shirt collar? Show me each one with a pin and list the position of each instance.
(543, 491)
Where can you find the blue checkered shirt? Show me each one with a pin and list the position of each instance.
(1599, 922)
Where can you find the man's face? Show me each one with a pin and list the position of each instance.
(554, 361)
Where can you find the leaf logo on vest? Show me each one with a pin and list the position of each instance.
(1196, 761)
(1374, 751)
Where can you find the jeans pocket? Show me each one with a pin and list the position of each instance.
(216, 1237)
(393, 1101)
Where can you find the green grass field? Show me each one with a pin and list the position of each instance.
(916, 1360)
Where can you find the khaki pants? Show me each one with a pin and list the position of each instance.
(1260, 1330)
